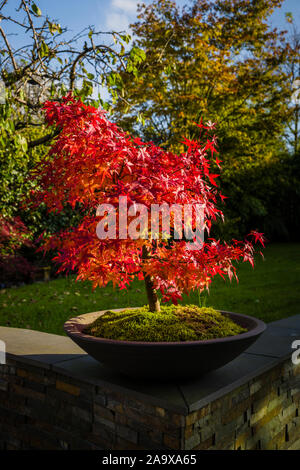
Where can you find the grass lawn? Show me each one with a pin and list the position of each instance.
(270, 292)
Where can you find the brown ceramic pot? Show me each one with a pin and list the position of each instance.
(165, 360)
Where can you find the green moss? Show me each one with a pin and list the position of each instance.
(172, 323)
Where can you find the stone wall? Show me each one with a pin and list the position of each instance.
(54, 396)
(43, 410)
(262, 414)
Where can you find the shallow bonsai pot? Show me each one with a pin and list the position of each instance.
(164, 360)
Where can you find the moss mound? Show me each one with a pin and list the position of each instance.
(172, 323)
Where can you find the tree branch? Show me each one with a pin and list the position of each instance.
(43, 140)
(10, 52)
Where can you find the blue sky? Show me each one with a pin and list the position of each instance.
(118, 14)
(107, 15)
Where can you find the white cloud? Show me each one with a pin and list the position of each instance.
(126, 5)
(120, 14)
(117, 21)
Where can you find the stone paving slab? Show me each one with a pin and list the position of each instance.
(38, 348)
(276, 341)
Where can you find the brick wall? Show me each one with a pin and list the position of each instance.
(42, 409)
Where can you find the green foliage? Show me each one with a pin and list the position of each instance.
(222, 61)
(16, 158)
(172, 323)
(219, 60)
(16, 161)
(264, 195)
(36, 10)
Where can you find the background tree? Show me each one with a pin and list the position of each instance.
(50, 62)
(222, 61)
(292, 68)
(217, 59)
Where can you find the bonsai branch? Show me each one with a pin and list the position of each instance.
(153, 301)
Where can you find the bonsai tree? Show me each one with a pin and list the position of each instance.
(93, 165)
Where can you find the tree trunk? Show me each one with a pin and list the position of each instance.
(153, 301)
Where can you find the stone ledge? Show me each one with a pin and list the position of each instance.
(62, 355)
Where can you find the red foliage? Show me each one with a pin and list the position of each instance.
(93, 162)
(13, 236)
